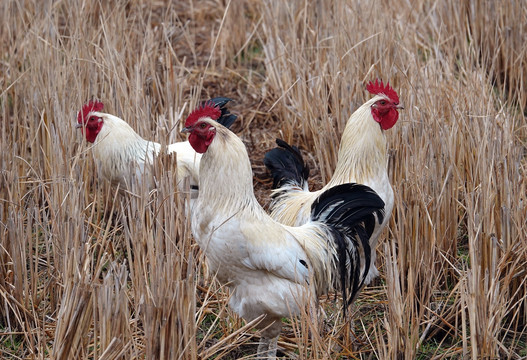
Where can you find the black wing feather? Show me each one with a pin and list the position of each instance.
(226, 118)
(351, 212)
(286, 165)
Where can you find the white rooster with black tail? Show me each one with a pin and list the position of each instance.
(362, 159)
(274, 269)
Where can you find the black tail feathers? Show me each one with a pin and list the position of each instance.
(286, 165)
(226, 118)
(351, 211)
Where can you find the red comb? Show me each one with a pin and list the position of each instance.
(208, 109)
(88, 108)
(377, 89)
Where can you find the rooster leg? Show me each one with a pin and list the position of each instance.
(273, 346)
(263, 348)
(269, 340)
(267, 348)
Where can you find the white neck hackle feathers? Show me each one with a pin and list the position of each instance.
(362, 154)
(228, 173)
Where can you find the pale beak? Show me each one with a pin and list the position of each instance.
(78, 126)
(186, 129)
(399, 106)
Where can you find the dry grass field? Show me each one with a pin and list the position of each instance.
(86, 273)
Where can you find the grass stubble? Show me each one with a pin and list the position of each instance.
(87, 272)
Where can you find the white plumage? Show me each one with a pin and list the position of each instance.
(362, 159)
(272, 269)
(118, 149)
(120, 152)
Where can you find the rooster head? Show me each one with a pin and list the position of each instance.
(200, 127)
(89, 123)
(384, 110)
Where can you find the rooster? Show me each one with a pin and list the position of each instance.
(362, 158)
(117, 148)
(273, 269)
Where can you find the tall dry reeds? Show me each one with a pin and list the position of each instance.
(87, 271)
(456, 161)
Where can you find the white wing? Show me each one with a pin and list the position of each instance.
(271, 248)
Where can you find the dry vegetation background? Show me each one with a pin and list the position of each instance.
(88, 274)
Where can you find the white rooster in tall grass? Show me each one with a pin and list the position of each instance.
(274, 269)
(362, 159)
(120, 152)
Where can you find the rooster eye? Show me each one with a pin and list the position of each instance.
(383, 102)
(202, 125)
